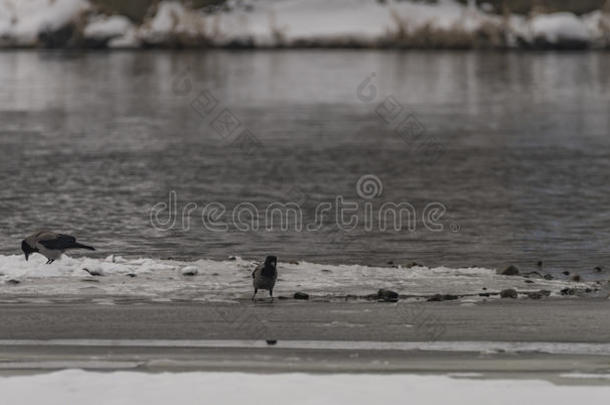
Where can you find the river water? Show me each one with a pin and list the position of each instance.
(506, 154)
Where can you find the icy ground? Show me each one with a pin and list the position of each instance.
(81, 387)
(210, 280)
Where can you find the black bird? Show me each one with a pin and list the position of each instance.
(50, 244)
(264, 276)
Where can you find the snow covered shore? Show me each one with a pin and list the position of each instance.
(79, 387)
(230, 280)
(297, 23)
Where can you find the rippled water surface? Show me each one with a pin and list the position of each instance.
(90, 142)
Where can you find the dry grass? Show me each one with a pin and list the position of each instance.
(489, 35)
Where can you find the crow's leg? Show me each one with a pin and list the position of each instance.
(50, 261)
(254, 296)
(271, 294)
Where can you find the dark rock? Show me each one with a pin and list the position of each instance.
(232, 258)
(568, 291)
(443, 297)
(598, 269)
(510, 271)
(588, 290)
(413, 264)
(301, 296)
(132, 275)
(387, 295)
(484, 288)
(539, 263)
(508, 293)
(326, 271)
(90, 280)
(533, 273)
(484, 294)
(548, 277)
(13, 281)
(545, 292)
(390, 262)
(577, 278)
(372, 297)
(271, 342)
(529, 281)
(283, 297)
(535, 295)
(565, 273)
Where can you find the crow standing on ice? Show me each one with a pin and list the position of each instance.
(264, 276)
(50, 244)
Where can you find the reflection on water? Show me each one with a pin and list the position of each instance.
(91, 141)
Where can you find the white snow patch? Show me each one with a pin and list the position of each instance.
(598, 24)
(559, 27)
(172, 19)
(189, 271)
(104, 27)
(129, 39)
(124, 387)
(24, 20)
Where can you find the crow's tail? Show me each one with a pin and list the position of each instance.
(77, 245)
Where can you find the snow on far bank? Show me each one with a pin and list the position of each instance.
(289, 22)
(558, 27)
(445, 23)
(79, 387)
(118, 31)
(231, 279)
(173, 20)
(23, 21)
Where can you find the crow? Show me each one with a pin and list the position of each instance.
(264, 276)
(50, 244)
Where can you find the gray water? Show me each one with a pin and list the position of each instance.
(90, 142)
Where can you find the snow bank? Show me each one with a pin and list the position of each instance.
(80, 387)
(229, 280)
(560, 27)
(103, 29)
(269, 23)
(173, 22)
(22, 21)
